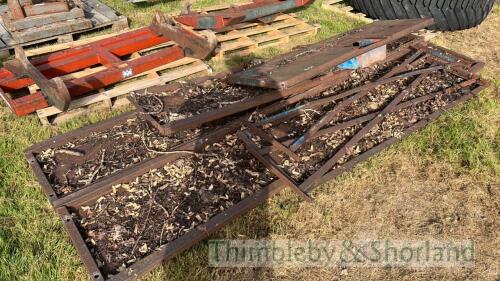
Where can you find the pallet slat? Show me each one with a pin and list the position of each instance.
(41, 20)
(100, 15)
(252, 36)
(60, 28)
(5, 35)
(103, 9)
(343, 7)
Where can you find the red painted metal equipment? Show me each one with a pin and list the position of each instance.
(222, 18)
(108, 53)
(200, 46)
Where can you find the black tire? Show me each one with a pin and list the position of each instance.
(447, 14)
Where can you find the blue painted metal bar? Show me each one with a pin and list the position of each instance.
(366, 59)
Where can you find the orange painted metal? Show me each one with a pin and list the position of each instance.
(108, 52)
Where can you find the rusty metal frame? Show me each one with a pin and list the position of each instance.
(171, 249)
(455, 63)
(459, 65)
(305, 63)
(306, 88)
(482, 84)
(65, 205)
(203, 231)
(264, 154)
(254, 150)
(95, 188)
(351, 96)
(396, 54)
(103, 186)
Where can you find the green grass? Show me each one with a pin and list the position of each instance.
(34, 246)
(466, 136)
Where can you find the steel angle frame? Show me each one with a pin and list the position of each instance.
(203, 231)
(481, 85)
(265, 154)
(306, 88)
(304, 63)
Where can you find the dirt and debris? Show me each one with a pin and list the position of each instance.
(317, 151)
(191, 99)
(139, 216)
(81, 162)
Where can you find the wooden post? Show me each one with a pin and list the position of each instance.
(15, 9)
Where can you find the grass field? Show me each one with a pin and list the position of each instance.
(440, 183)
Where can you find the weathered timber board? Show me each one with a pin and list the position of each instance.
(41, 20)
(37, 33)
(344, 7)
(99, 14)
(45, 8)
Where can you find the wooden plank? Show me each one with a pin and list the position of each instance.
(41, 20)
(102, 9)
(343, 7)
(246, 32)
(3, 9)
(43, 32)
(302, 30)
(287, 23)
(5, 35)
(271, 36)
(45, 8)
(16, 11)
(241, 47)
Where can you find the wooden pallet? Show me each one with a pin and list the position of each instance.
(245, 39)
(115, 95)
(342, 6)
(249, 37)
(101, 16)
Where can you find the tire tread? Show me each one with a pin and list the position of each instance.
(448, 14)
